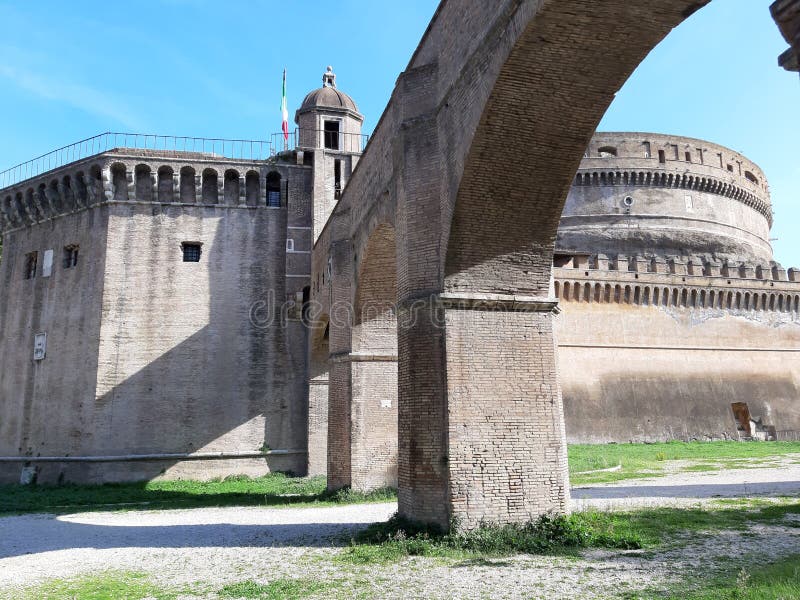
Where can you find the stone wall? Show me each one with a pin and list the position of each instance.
(654, 357)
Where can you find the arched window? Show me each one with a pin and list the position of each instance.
(81, 193)
(231, 187)
(274, 189)
(210, 187)
(165, 184)
(144, 183)
(750, 177)
(188, 186)
(55, 196)
(119, 181)
(66, 190)
(252, 184)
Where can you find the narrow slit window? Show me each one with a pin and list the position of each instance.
(337, 178)
(70, 256)
(191, 251)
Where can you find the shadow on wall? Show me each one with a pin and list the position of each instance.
(230, 386)
(660, 406)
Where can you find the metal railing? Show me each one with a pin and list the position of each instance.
(213, 147)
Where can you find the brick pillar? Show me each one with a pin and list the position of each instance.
(369, 438)
(487, 439)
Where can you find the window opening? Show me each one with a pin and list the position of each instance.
(337, 178)
(31, 261)
(646, 149)
(662, 158)
(70, 256)
(331, 135)
(274, 189)
(191, 251)
(290, 245)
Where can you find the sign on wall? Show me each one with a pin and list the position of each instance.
(47, 265)
(39, 346)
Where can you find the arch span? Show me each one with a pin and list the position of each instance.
(477, 150)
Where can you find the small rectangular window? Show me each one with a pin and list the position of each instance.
(662, 157)
(290, 245)
(70, 256)
(191, 251)
(331, 135)
(675, 151)
(700, 155)
(688, 156)
(730, 168)
(31, 262)
(646, 149)
(337, 178)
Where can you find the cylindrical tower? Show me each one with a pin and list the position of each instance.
(659, 195)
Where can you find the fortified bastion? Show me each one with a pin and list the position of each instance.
(676, 321)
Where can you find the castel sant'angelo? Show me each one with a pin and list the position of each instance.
(157, 311)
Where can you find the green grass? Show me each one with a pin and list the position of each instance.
(280, 589)
(398, 539)
(639, 460)
(110, 585)
(271, 490)
(779, 580)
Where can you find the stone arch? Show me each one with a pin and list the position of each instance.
(366, 448)
(30, 206)
(54, 195)
(188, 186)
(67, 194)
(231, 187)
(119, 182)
(587, 292)
(95, 191)
(318, 375)
(166, 184)
(143, 182)
(81, 189)
(252, 184)
(210, 186)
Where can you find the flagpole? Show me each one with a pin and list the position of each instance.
(284, 115)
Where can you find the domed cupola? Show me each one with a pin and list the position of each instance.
(328, 118)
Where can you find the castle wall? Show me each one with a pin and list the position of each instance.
(636, 367)
(645, 193)
(47, 407)
(196, 369)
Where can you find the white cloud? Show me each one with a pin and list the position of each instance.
(83, 97)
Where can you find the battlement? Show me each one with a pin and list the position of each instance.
(143, 175)
(688, 282)
(631, 151)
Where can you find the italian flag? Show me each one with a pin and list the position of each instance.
(284, 111)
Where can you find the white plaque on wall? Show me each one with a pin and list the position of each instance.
(39, 346)
(47, 265)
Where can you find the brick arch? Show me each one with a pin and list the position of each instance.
(503, 218)
(362, 450)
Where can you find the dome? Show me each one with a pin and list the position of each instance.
(328, 97)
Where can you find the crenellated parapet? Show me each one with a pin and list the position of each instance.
(647, 193)
(679, 282)
(134, 175)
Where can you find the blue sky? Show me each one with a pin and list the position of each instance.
(69, 70)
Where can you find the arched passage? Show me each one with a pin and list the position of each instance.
(522, 88)
(362, 434)
(319, 355)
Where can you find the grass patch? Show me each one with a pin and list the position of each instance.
(640, 460)
(398, 539)
(280, 589)
(779, 580)
(275, 489)
(119, 585)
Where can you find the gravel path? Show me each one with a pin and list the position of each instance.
(211, 547)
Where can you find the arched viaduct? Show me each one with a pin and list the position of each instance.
(445, 236)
